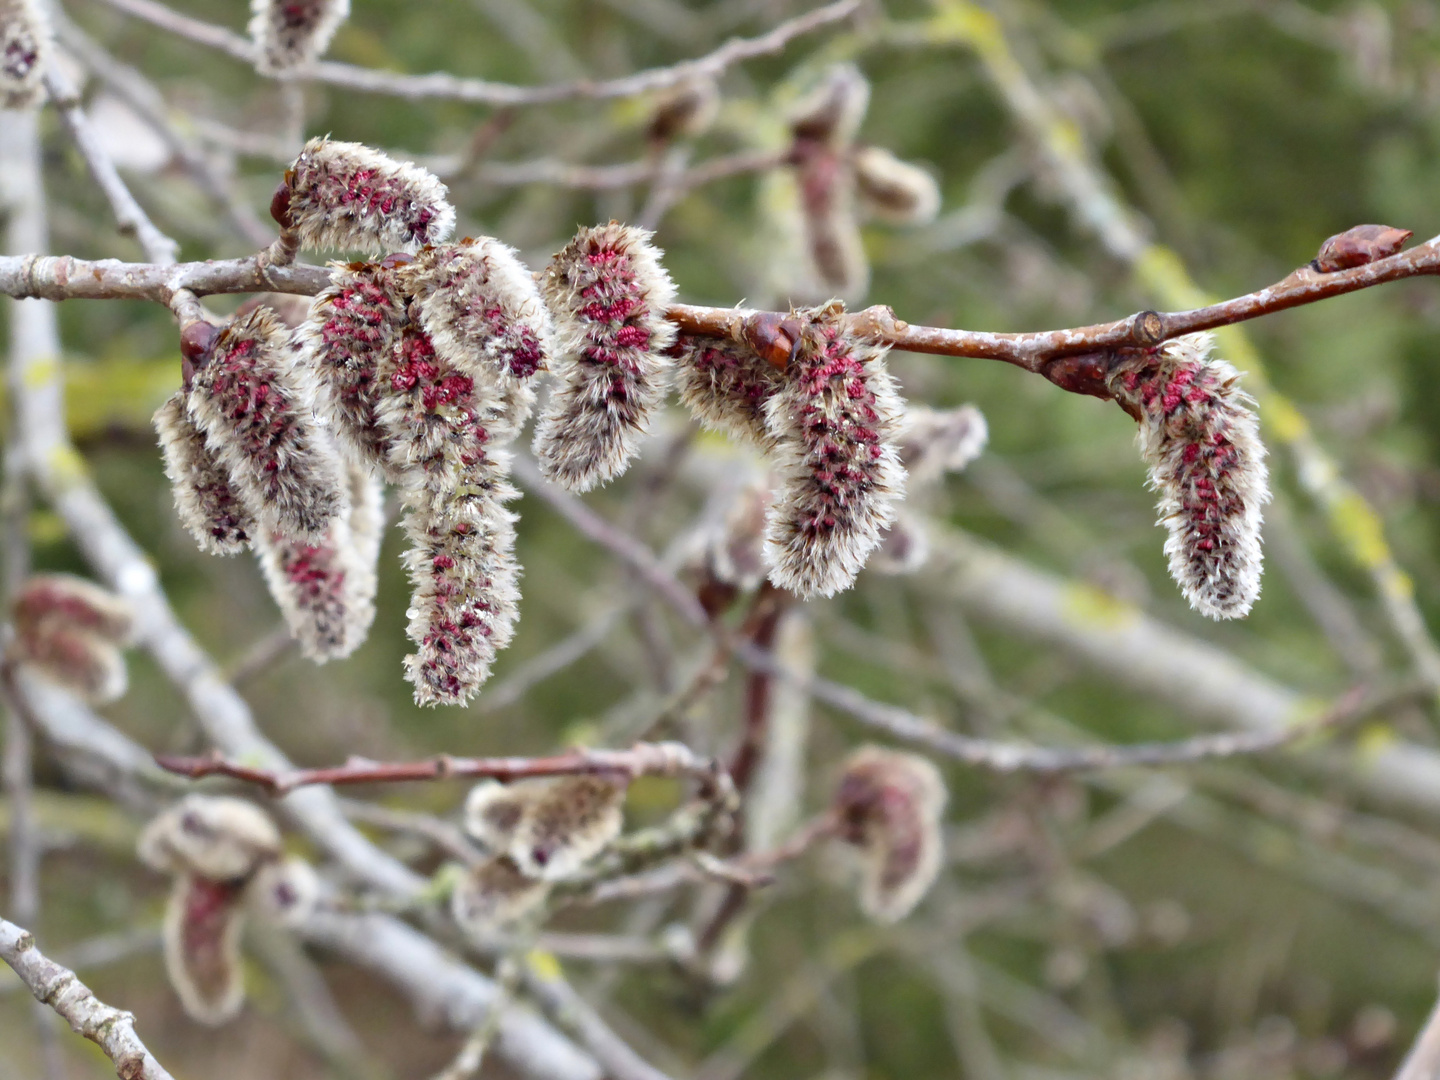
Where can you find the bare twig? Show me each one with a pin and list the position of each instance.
(642, 759)
(481, 91)
(1423, 1060)
(547, 986)
(110, 1029)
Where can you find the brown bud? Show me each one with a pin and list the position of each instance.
(1358, 246)
(775, 337)
(280, 206)
(196, 340)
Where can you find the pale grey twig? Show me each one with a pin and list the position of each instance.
(109, 1028)
(1423, 1060)
(549, 988)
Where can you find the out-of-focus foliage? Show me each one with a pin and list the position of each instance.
(1214, 922)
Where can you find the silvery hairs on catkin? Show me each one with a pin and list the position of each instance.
(725, 385)
(326, 590)
(26, 45)
(1200, 436)
(608, 294)
(254, 405)
(352, 325)
(482, 309)
(293, 33)
(453, 483)
(207, 506)
(348, 197)
(70, 631)
(834, 421)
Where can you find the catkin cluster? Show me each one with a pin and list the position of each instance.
(224, 857)
(535, 832)
(25, 47)
(1200, 437)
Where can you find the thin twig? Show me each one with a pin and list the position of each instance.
(1423, 1060)
(482, 91)
(109, 1028)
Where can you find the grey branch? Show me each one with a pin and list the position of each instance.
(109, 1028)
(481, 91)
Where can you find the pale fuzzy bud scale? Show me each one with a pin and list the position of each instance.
(293, 33)
(493, 811)
(207, 505)
(608, 294)
(214, 837)
(1200, 437)
(569, 821)
(834, 422)
(254, 404)
(348, 197)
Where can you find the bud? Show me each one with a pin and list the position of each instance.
(894, 190)
(1200, 437)
(832, 112)
(933, 442)
(47, 600)
(482, 310)
(569, 820)
(293, 33)
(213, 837)
(351, 326)
(833, 421)
(608, 294)
(725, 385)
(204, 500)
(889, 805)
(904, 547)
(26, 43)
(203, 921)
(69, 630)
(1359, 246)
(463, 605)
(683, 111)
(493, 811)
(326, 591)
(346, 196)
(493, 896)
(252, 402)
(284, 892)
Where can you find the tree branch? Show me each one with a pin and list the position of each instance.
(108, 1028)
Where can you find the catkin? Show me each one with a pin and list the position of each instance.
(608, 294)
(833, 422)
(208, 507)
(253, 404)
(725, 385)
(26, 43)
(292, 33)
(1200, 437)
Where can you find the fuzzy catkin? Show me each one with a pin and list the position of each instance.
(26, 43)
(326, 590)
(1200, 437)
(894, 190)
(493, 896)
(346, 196)
(69, 631)
(890, 805)
(569, 821)
(212, 836)
(834, 421)
(484, 314)
(292, 33)
(201, 934)
(725, 385)
(608, 294)
(254, 406)
(45, 600)
(207, 505)
(351, 327)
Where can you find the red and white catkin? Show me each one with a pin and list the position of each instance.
(348, 197)
(461, 561)
(71, 631)
(1200, 437)
(889, 805)
(482, 309)
(725, 385)
(293, 33)
(251, 401)
(207, 505)
(608, 294)
(834, 421)
(326, 589)
(26, 44)
(213, 847)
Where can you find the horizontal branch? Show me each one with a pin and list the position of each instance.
(482, 91)
(109, 1028)
(65, 278)
(642, 759)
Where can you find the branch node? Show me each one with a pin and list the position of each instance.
(1147, 328)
